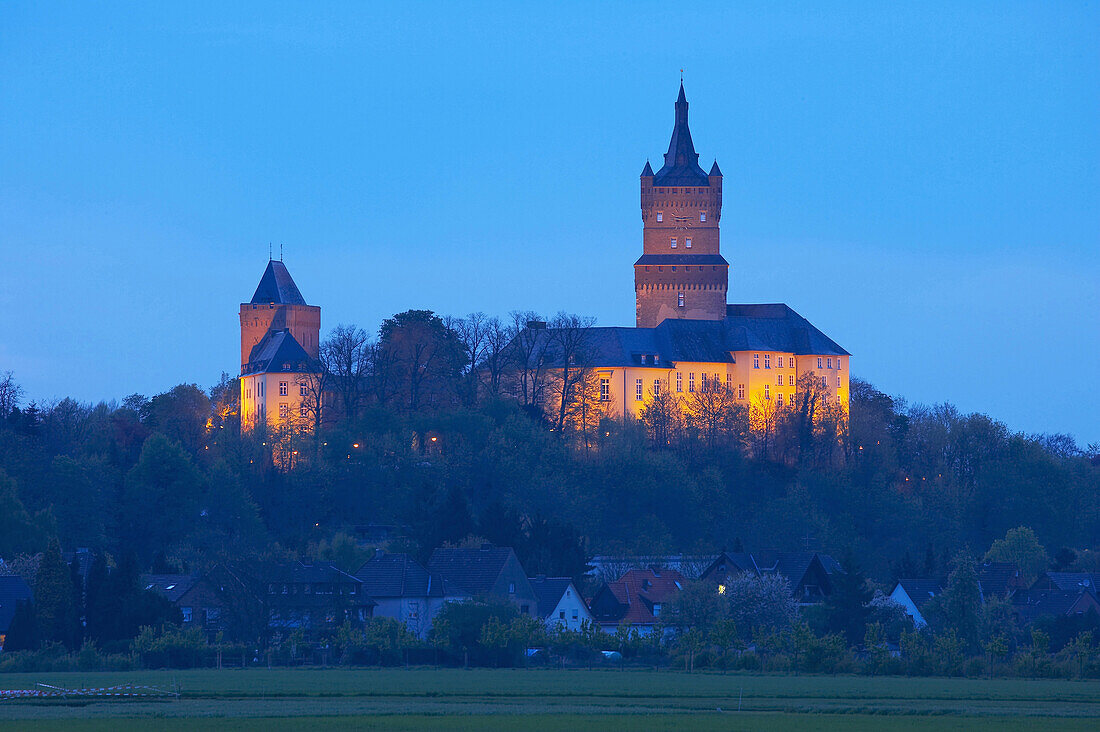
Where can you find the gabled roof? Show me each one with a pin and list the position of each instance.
(681, 166)
(1073, 581)
(473, 570)
(13, 590)
(170, 586)
(921, 591)
(549, 591)
(1030, 605)
(998, 579)
(279, 352)
(636, 593)
(277, 286)
(771, 327)
(399, 575)
(302, 573)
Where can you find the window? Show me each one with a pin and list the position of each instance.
(756, 360)
(829, 363)
(703, 216)
(188, 614)
(660, 216)
(691, 381)
(838, 363)
(779, 380)
(680, 299)
(779, 398)
(790, 379)
(687, 243)
(524, 609)
(605, 390)
(511, 588)
(656, 609)
(767, 360)
(679, 382)
(638, 390)
(672, 241)
(839, 401)
(779, 364)
(656, 387)
(729, 383)
(303, 411)
(575, 613)
(838, 382)
(284, 410)
(704, 382)
(302, 389)
(767, 391)
(824, 380)
(283, 388)
(561, 615)
(819, 362)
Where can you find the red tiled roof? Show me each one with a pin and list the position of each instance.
(638, 590)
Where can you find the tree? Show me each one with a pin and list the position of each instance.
(958, 607)
(760, 603)
(19, 533)
(22, 632)
(56, 614)
(663, 418)
(847, 607)
(346, 359)
(161, 497)
(181, 414)
(427, 358)
(10, 394)
(1021, 547)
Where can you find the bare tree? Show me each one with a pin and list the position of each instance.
(494, 354)
(473, 333)
(345, 365)
(663, 417)
(528, 355)
(715, 415)
(10, 394)
(570, 337)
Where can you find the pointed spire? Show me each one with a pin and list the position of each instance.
(277, 286)
(681, 161)
(715, 170)
(647, 170)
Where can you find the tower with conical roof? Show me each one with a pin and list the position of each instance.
(279, 351)
(681, 273)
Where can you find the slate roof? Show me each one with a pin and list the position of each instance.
(647, 170)
(170, 586)
(998, 579)
(549, 591)
(277, 286)
(279, 352)
(399, 575)
(921, 591)
(686, 259)
(473, 570)
(638, 590)
(715, 170)
(1030, 605)
(1073, 581)
(301, 573)
(769, 327)
(681, 166)
(13, 590)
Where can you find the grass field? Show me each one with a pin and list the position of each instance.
(455, 699)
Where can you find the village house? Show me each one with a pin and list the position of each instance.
(404, 590)
(200, 603)
(486, 572)
(559, 602)
(640, 599)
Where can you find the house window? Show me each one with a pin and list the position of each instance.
(525, 609)
(829, 363)
(303, 411)
(819, 362)
(825, 381)
(679, 382)
(767, 391)
(302, 389)
(839, 401)
(691, 381)
(740, 391)
(605, 390)
(656, 609)
(283, 388)
(561, 614)
(284, 410)
(704, 382)
(511, 588)
(779, 398)
(729, 383)
(779, 365)
(575, 613)
(779, 380)
(767, 360)
(756, 360)
(838, 363)
(687, 243)
(188, 614)
(660, 216)
(680, 299)
(838, 382)
(703, 216)
(656, 387)
(638, 390)
(790, 379)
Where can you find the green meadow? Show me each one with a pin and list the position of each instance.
(456, 699)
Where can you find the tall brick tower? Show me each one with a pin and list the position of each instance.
(276, 306)
(681, 273)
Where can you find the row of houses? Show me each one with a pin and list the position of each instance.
(1053, 594)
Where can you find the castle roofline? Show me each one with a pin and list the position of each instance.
(681, 166)
(277, 286)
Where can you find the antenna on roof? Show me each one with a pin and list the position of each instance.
(280, 251)
(681, 76)
(269, 251)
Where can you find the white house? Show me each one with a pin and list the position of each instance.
(559, 602)
(911, 594)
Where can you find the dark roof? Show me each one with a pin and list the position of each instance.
(301, 573)
(1074, 581)
(653, 259)
(13, 590)
(745, 328)
(921, 591)
(170, 586)
(1031, 605)
(473, 570)
(681, 166)
(549, 591)
(279, 352)
(399, 575)
(715, 170)
(277, 286)
(647, 170)
(998, 579)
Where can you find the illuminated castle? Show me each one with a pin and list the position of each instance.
(279, 348)
(687, 337)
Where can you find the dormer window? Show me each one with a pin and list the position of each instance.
(660, 216)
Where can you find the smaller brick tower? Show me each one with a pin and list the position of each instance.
(278, 305)
(681, 273)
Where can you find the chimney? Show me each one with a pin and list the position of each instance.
(536, 324)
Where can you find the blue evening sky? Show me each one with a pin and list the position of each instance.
(920, 180)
